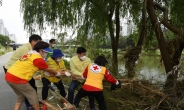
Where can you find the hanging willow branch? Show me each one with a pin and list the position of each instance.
(165, 21)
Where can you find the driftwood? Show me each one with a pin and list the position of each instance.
(128, 81)
(141, 85)
(51, 106)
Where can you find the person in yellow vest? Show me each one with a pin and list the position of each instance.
(56, 63)
(94, 75)
(22, 71)
(33, 39)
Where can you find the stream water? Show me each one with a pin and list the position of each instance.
(147, 67)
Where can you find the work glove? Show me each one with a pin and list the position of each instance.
(114, 86)
(46, 73)
(58, 74)
(67, 73)
(119, 84)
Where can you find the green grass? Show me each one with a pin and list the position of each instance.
(3, 50)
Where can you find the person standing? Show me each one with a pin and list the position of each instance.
(21, 72)
(33, 39)
(56, 63)
(78, 64)
(14, 47)
(52, 43)
(94, 75)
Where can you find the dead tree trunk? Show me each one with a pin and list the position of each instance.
(133, 55)
(175, 45)
(160, 37)
(169, 60)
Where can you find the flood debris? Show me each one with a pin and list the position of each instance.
(143, 95)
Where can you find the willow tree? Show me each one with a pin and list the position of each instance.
(172, 20)
(93, 19)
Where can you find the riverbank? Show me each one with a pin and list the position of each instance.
(3, 50)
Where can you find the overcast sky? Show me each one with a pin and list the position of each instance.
(13, 21)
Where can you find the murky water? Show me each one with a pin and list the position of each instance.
(148, 68)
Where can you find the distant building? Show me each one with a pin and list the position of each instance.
(2, 27)
(126, 26)
(4, 31)
(13, 38)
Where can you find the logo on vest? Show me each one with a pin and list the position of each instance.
(95, 68)
(24, 57)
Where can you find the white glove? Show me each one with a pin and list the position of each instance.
(58, 74)
(67, 73)
(46, 73)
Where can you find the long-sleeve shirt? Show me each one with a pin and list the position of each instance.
(55, 66)
(107, 76)
(18, 54)
(77, 66)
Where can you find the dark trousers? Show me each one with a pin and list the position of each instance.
(97, 94)
(5, 70)
(45, 88)
(74, 84)
(32, 83)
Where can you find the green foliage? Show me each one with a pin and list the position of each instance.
(176, 12)
(67, 64)
(3, 40)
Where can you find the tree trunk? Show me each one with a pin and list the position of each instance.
(114, 40)
(161, 41)
(159, 35)
(133, 54)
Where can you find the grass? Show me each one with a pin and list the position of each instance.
(3, 50)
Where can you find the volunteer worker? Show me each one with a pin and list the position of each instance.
(56, 63)
(19, 74)
(94, 75)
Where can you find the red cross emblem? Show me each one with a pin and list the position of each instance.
(25, 56)
(95, 67)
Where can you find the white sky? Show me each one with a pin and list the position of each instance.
(13, 21)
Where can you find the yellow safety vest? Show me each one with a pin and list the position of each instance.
(52, 64)
(24, 67)
(95, 75)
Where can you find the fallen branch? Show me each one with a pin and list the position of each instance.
(51, 106)
(150, 90)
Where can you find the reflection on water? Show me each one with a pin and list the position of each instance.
(148, 68)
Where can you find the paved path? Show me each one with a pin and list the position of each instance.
(7, 96)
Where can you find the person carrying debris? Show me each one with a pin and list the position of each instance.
(22, 71)
(56, 63)
(94, 75)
